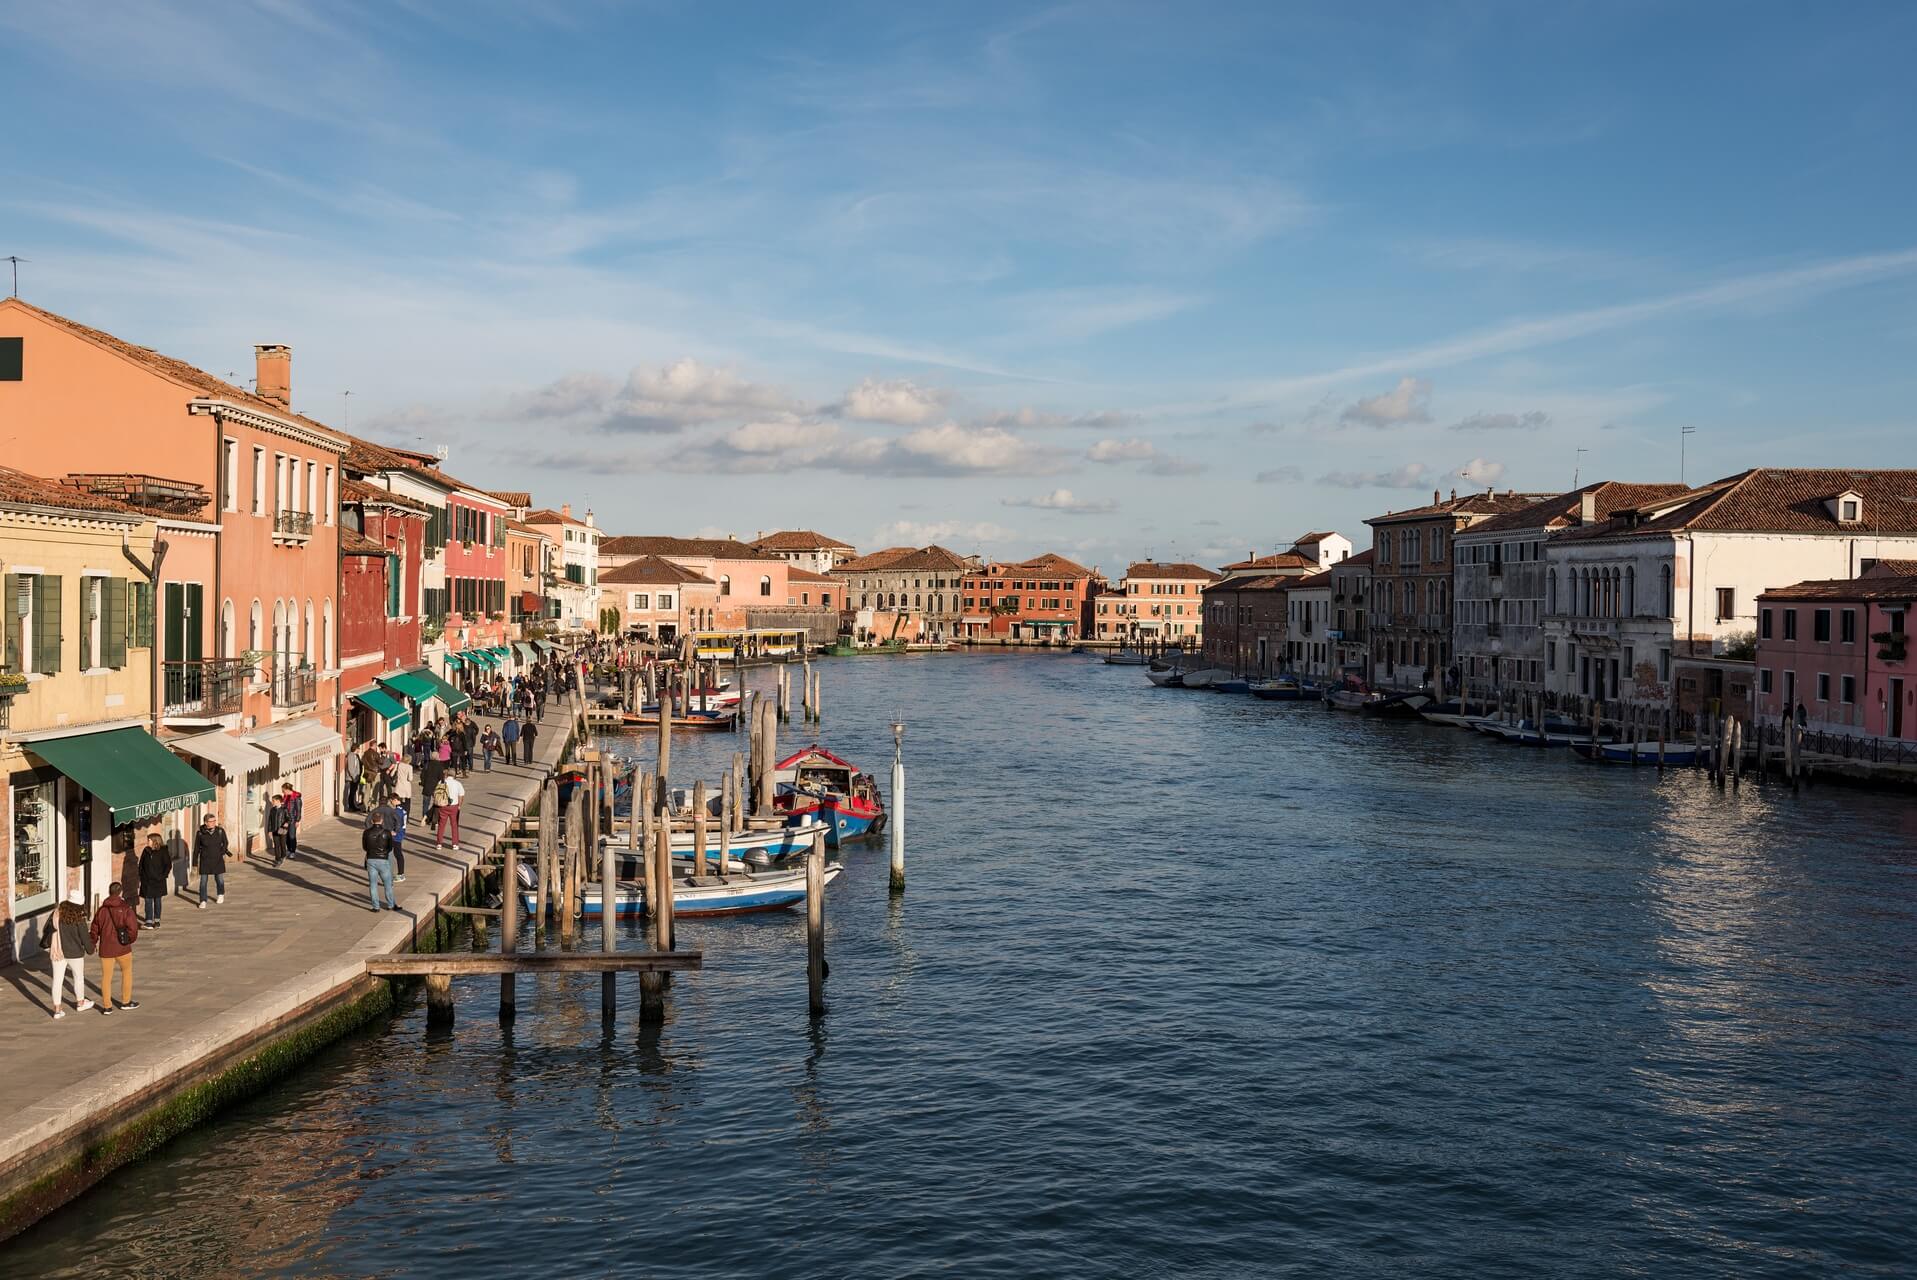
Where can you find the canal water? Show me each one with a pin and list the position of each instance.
(1183, 984)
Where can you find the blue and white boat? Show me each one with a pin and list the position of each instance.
(736, 893)
(1675, 754)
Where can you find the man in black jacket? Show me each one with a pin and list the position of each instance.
(377, 843)
(209, 854)
(156, 866)
(528, 733)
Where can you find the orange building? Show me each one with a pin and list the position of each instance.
(747, 578)
(250, 491)
(1038, 599)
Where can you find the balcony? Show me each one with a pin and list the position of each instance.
(205, 687)
(293, 526)
(295, 682)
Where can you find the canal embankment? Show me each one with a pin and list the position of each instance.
(232, 996)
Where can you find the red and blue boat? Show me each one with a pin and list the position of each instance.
(815, 783)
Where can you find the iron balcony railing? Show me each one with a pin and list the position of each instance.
(203, 687)
(295, 682)
(293, 524)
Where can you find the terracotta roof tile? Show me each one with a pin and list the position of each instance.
(351, 491)
(1561, 511)
(1471, 504)
(798, 540)
(935, 558)
(796, 574)
(651, 545)
(1175, 569)
(354, 543)
(1361, 560)
(652, 571)
(513, 497)
(1889, 586)
(1277, 560)
(1773, 500)
(547, 515)
(29, 490)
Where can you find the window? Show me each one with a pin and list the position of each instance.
(12, 359)
(1763, 624)
(230, 475)
(92, 607)
(259, 481)
(1820, 626)
(1790, 624)
(765, 584)
(1764, 680)
(725, 584)
(253, 628)
(1823, 687)
(312, 488)
(1726, 603)
(1847, 630)
(228, 640)
(32, 623)
(1847, 688)
(639, 600)
(1849, 510)
(332, 497)
(665, 601)
(394, 571)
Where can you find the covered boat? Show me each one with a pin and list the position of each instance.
(735, 893)
(814, 784)
(1278, 689)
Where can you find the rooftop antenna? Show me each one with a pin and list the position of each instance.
(16, 261)
(1577, 467)
(346, 409)
(1683, 433)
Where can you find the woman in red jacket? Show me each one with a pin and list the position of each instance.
(115, 928)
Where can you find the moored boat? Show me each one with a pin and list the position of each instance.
(815, 785)
(1205, 677)
(1237, 684)
(1169, 678)
(1125, 658)
(735, 893)
(1675, 754)
(1278, 689)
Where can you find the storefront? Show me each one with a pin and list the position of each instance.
(302, 753)
(75, 814)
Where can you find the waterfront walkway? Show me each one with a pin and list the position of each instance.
(210, 981)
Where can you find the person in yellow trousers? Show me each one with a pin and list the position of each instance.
(115, 928)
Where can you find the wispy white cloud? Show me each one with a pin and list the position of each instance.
(1287, 474)
(1062, 500)
(1482, 471)
(1408, 402)
(896, 400)
(1531, 420)
(1412, 475)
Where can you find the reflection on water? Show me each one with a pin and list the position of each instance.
(1183, 983)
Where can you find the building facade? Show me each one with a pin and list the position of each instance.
(577, 583)
(925, 582)
(745, 576)
(659, 600)
(1157, 603)
(1411, 585)
(1310, 649)
(1350, 602)
(805, 549)
(1245, 621)
(1835, 655)
(1042, 598)
(1680, 576)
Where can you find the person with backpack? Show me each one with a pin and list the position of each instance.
(446, 798)
(395, 819)
(489, 744)
(115, 930)
(68, 943)
(376, 842)
(295, 805)
(156, 865)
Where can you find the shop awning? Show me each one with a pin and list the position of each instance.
(455, 659)
(420, 685)
(128, 770)
(546, 646)
(384, 705)
(446, 693)
(526, 652)
(235, 757)
(299, 743)
(482, 657)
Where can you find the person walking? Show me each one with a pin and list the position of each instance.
(395, 819)
(115, 930)
(376, 842)
(276, 828)
(509, 737)
(209, 855)
(489, 744)
(357, 783)
(68, 942)
(403, 784)
(295, 805)
(446, 798)
(156, 865)
(469, 743)
(528, 733)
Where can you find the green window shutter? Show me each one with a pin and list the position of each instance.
(113, 626)
(90, 604)
(11, 616)
(193, 649)
(140, 616)
(46, 624)
(393, 575)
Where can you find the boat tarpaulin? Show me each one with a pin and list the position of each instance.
(236, 757)
(128, 770)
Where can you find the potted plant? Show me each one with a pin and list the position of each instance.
(12, 682)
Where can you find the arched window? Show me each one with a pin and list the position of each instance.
(227, 637)
(918, 602)
(765, 584)
(893, 600)
(279, 626)
(1669, 603)
(1551, 590)
(725, 584)
(309, 637)
(253, 633)
(326, 637)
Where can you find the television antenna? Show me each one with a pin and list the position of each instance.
(1683, 434)
(346, 409)
(16, 261)
(1577, 467)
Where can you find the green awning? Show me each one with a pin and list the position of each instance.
(384, 705)
(455, 659)
(486, 656)
(448, 694)
(133, 774)
(526, 652)
(419, 685)
(547, 646)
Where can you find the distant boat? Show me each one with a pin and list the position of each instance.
(1125, 658)
(736, 893)
(1167, 678)
(1237, 684)
(1345, 699)
(1646, 752)
(1405, 705)
(1278, 689)
(1205, 677)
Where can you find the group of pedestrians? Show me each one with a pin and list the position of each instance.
(69, 937)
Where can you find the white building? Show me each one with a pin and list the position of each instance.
(576, 584)
(1681, 575)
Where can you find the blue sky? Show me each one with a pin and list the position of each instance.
(1098, 278)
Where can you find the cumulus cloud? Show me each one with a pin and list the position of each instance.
(1482, 471)
(1281, 475)
(1408, 402)
(899, 401)
(666, 399)
(1535, 420)
(1412, 475)
(946, 449)
(1133, 450)
(1061, 500)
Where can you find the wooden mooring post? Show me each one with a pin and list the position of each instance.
(895, 812)
(699, 830)
(815, 924)
(509, 932)
(439, 1000)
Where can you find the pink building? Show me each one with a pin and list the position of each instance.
(1837, 649)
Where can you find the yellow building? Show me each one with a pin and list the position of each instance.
(84, 777)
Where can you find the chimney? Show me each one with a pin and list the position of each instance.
(1454, 495)
(1436, 497)
(1587, 507)
(273, 373)
(565, 509)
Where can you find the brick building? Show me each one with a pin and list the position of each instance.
(1245, 622)
(1157, 604)
(1042, 598)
